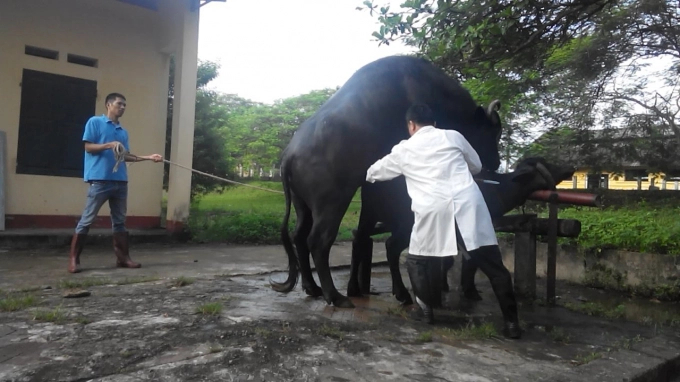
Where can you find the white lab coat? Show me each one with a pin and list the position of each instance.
(438, 166)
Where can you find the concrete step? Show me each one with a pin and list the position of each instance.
(33, 238)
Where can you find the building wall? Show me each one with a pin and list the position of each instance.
(129, 43)
(617, 181)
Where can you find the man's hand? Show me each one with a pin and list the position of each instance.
(94, 148)
(112, 145)
(155, 157)
(134, 158)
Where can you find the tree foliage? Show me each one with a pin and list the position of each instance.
(256, 134)
(230, 130)
(576, 64)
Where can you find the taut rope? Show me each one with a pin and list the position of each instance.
(120, 152)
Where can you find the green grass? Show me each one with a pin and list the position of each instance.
(96, 281)
(210, 309)
(424, 337)
(182, 281)
(559, 335)
(587, 358)
(136, 280)
(597, 309)
(245, 215)
(55, 315)
(13, 303)
(471, 331)
(249, 216)
(83, 283)
(637, 228)
(331, 332)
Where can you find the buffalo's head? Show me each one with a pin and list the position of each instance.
(536, 174)
(487, 135)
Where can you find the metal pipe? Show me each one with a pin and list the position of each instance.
(567, 197)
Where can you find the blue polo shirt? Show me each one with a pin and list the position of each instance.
(99, 166)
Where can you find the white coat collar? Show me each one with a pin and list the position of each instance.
(424, 128)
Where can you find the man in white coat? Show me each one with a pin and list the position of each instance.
(448, 206)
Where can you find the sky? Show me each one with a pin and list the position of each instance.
(275, 49)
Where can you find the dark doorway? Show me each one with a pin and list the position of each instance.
(54, 110)
(598, 181)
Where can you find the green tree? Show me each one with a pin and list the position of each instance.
(556, 64)
(256, 134)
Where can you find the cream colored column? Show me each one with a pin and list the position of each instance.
(184, 103)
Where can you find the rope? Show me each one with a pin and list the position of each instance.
(120, 152)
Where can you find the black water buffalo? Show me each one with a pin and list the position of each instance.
(531, 174)
(327, 158)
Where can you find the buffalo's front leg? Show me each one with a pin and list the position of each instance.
(394, 245)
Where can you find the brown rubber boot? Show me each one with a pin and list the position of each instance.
(77, 243)
(121, 247)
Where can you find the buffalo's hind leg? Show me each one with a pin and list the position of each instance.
(326, 222)
(362, 257)
(362, 252)
(302, 229)
(394, 245)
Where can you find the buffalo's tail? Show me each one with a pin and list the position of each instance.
(293, 272)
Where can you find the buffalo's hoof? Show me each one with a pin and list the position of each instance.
(313, 291)
(512, 330)
(342, 302)
(404, 298)
(354, 291)
(471, 294)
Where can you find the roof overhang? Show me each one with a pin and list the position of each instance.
(204, 2)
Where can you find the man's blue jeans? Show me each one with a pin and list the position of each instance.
(99, 193)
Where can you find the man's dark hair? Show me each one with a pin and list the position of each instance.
(420, 114)
(112, 97)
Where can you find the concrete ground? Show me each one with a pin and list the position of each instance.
(207, 313)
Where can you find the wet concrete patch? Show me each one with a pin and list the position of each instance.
(153, 331)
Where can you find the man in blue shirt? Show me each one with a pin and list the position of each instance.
(108, 182)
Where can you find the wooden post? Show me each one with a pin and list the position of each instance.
(552, 251)
(525, 265)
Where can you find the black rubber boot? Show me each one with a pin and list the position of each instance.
(425, 275)
(502, 287)
(467, 280)
(447, 264)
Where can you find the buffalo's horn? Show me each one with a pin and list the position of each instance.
(495, 105)
(546, 175)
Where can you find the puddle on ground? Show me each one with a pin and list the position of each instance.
(618, 305)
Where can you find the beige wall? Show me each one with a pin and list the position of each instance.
(132, 46)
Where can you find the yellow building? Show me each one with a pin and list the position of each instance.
(58, 61)
(634, 178)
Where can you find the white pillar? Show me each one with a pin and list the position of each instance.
(3, 160)
(184, 103)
